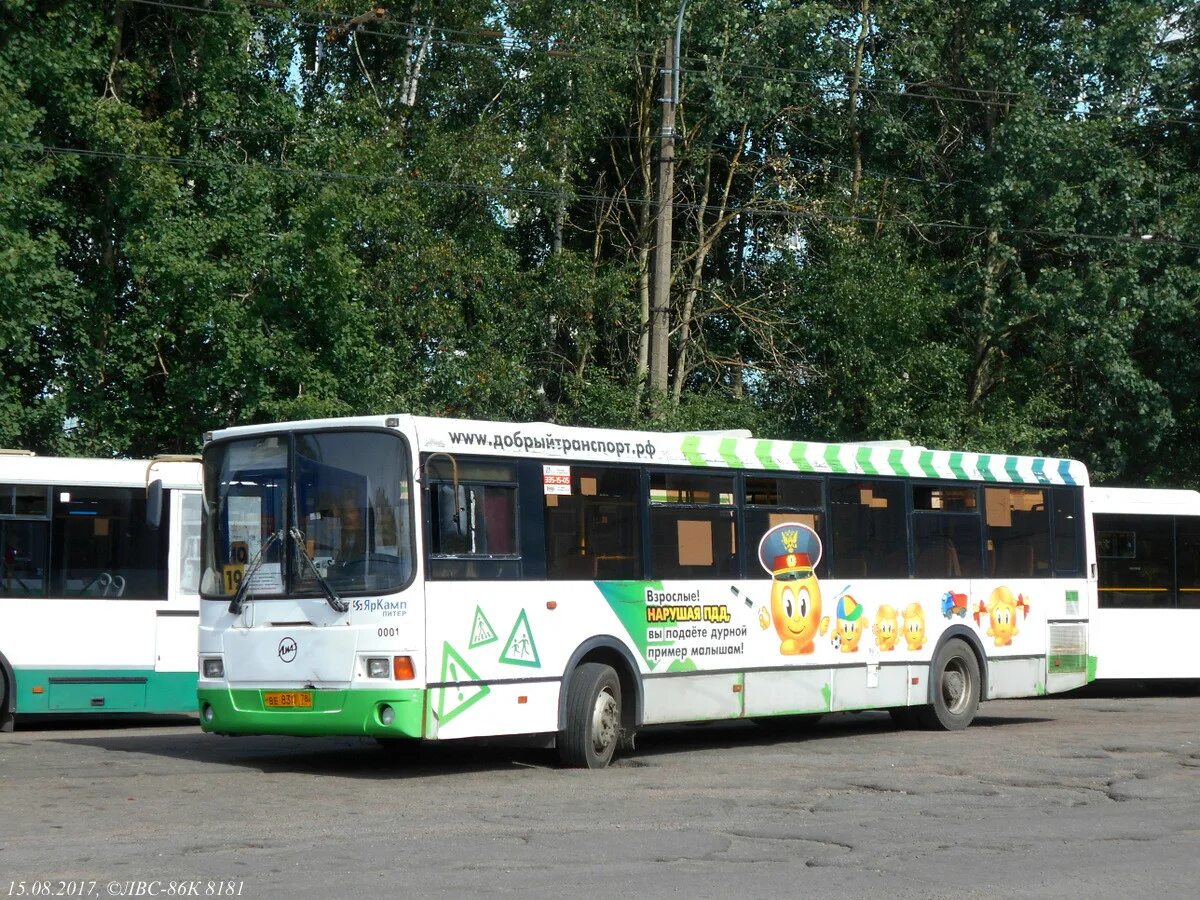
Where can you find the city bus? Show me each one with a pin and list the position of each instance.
(99, 588)
(1148, 610)
(427, 579)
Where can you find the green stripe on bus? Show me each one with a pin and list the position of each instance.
(799, 455)
(691, 450)
(896, 463)
(762, 450)
(985, 463)
(831, 457)
(1010, 466)
(133, 690)
(728, 451)
(1039, 471)
(925, 461)
(864, 461)
(956, 466)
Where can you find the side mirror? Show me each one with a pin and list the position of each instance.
(154, 503)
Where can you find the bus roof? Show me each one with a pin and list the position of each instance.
(1145, 501)
(97, 472)
(716, 450)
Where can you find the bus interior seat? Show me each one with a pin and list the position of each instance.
(1016, 558)
(939, 560)
(854, 566)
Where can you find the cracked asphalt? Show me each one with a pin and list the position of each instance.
(1071, 796)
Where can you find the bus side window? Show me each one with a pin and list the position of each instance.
(1187, 555)
(1018, 532)
(24, 540)
(473, 525)
(1067, 520)
(869, 529)
(189, 545)
(773, 500)
(592, 523)
(1137, 558)
(947, 538)
(693, 526)
(104, 547)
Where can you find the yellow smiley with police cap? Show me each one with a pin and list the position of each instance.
(791, 552)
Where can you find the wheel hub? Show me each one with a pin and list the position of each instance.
(956, 683)
(605, 722)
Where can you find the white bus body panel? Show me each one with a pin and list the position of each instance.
(493, 642)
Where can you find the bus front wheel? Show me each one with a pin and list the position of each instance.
(955, 675)
(592, 725)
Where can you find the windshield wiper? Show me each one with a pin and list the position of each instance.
(331, 596)
(239, 597)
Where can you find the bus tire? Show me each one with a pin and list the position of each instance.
(955, 688)
(6, 719)
(592, 725)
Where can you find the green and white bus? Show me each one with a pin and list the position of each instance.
(428, 579)
(99, 587)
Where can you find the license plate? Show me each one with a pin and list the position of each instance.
(288, 699)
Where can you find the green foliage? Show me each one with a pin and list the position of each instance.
(983, 235)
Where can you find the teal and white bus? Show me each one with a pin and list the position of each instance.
(99, 587)
(1147, 620)
(428, 579)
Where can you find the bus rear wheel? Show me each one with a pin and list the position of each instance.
(592, 725)
(6, 721)
(955, 689)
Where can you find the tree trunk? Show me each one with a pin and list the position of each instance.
(855, 81)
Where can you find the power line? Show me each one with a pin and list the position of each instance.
(762, 209)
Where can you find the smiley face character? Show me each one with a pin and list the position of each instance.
(914, 626)
(851, 623)
(1002, 615)
(887, 627)
(790, 552)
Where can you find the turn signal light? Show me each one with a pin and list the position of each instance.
(402, 668)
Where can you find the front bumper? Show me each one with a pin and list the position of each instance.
(338, 712)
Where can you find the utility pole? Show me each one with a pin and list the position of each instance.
(660, 290)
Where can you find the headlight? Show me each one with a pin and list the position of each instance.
(214, 668)
(378, 667)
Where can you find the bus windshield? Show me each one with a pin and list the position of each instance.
(286, 512)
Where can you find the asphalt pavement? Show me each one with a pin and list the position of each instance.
(1093, 795)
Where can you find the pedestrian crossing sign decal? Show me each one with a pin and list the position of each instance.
(520, 649)
(481, 631)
